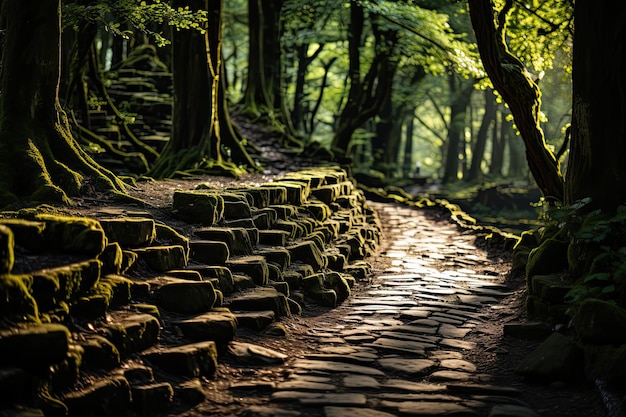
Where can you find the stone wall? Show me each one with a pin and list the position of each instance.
(93, 308)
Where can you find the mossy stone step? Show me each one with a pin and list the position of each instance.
(183, 296)
(551, 288)
(211, 252)
(186, 274)
(17, 302)
(278, 256)
(218, 326)
(99, 353)
(28, 234)
(163, 258)
(132, 332)
(237, 238)
(34, 347)
(107, 397)
(277, 194)
(255, 320)
(284, 211)
(198, 206)
(273, 237)
(254, 266)
(260, 299)
(314, 288)
(166, 235)
(76, 235)
(307, 252)
(223, 275)
(264, 218)
(149, 400)
(237, 209)
(129, 231)
(64, 283)
(192, 360)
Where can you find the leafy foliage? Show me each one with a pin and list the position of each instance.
(120, 17)
(597, 253)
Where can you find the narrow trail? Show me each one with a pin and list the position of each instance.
(404, 344)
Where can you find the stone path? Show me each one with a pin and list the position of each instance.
(395, 348)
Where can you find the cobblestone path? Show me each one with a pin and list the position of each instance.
(396, 347)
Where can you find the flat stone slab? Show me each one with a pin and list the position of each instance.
(360, 381)
(260, 411)
(260, 299)
(319, 399)
(425, 408)
(253, 354)
(330, 366)
(331, 411)
(411, 386)
(193, 360)
(413, 367)
(511, 410)
(215, 325)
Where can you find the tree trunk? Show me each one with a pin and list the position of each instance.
(598, 141)
(39, 159)
(203, 138)
(498, 139)
(367, 95)
(461, 96)
(478, 155)
(510, 78)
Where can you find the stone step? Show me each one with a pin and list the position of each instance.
(192, 360)
(260, 299)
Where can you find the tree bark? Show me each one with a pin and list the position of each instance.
(461, 96)
(40, 160)
(510, 78)
(598, 134)
(366, 96)
(478, 154)
(204, 139)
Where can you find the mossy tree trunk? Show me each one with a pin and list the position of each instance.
(263, 96)
(511, 79)
(204, 138)
(40, 160)
(499, 139)
(598, 133)
(367, 94)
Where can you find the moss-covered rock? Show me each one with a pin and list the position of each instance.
(252, 266)
(28, 234)
(551, 288)
(558, 358)
(77, 235)
(183, 296)
(307, 252)
(236, 238)
(64, 283)
(167, 235)
(152, 399)
(547, 258)
(112, 259)
(17, 302)
(600, 322)
(193, 360)
(133, 332)
(107, 397)
(99, 353)
(338, 283)
(222, 274)
(198, 206)
(129, 231)
(163, 258)
(34, 347)
(260, 299)
(209, 252)
(606, 363)
(218, 326)
(236, 208)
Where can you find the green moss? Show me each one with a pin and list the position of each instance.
(16, 301)
(27, 233)
(167, 234)
(79, 235)
(547, 258)
(65, 283)
(7, 243)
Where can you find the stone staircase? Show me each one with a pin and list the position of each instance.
(131, 313)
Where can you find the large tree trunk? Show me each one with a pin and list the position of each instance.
(39, 158)
(598, 141)
(203, 138)
(478, 154)
(511, 79)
